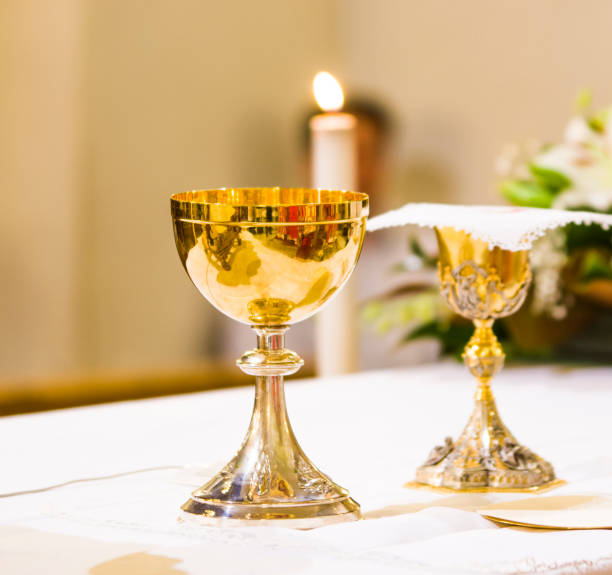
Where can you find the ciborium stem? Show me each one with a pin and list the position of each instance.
(270, 477)
(483, 355)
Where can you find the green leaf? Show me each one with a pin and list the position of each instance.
(583, 100)
(598, 121)
(418, 251)
(583, 236)
(597, 124)
(372, 311)
(415, 248)
(453, 336)
(595, 266)
(550, 178)
(527, 193)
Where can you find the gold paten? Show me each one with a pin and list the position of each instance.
(269, 257)
(483, 284)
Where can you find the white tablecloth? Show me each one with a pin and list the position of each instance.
(368, 432)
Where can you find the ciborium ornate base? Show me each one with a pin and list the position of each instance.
(269, 257)
(483, 284)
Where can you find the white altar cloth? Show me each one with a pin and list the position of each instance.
(367, 431)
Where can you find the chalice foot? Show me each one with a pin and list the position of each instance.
(483, 284)
(270, 479)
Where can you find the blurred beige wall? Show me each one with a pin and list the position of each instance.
(40, 106)
(465, 78)
(108, 107)
(180, 95)
(111, 107)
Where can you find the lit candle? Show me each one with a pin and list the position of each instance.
(334, 163)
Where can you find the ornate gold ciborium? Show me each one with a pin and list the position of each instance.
(269, 257)
(483, 284)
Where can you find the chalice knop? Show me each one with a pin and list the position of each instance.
(482, 284)
(269, 257)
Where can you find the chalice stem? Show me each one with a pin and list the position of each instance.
(270, 428)
(270, 437)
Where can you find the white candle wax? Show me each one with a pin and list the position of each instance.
(334, 166)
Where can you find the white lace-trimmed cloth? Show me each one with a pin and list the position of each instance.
(508, 227)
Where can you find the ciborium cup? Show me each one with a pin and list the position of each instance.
(269, 257)
(483, 284)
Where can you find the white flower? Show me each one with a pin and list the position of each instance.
(590, 171)
(547, 260)
(506, 162)
(578, 132)
(413, 263)
(595, 199)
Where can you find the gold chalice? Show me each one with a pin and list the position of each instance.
(483, 284)
(269, 257)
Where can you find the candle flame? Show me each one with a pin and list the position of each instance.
(327, 92)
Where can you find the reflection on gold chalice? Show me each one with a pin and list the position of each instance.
(269, 257)
(483, 284)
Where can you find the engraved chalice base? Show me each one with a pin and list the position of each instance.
(483, 284)
(269, 257)
(270, 478)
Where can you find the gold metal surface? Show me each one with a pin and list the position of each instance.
(449, 490)
(269, 257)
(483, 284)
(561, 512)
(269, 206)
(262, 260)
(507, 523)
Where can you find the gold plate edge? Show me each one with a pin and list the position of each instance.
(510, 523)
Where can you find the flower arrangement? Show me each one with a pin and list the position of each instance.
(572, 266)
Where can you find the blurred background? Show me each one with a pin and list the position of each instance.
(107, 108)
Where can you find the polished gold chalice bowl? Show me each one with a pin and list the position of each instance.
(483, 284)
(269, 257)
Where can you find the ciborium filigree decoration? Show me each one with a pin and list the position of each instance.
(482, 284)
(472, 291)
(269, 257)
